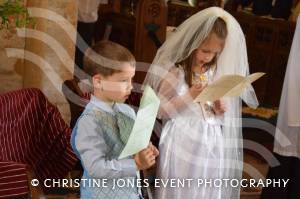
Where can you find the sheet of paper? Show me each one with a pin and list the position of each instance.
(227, 86)
(142, 129)
(236, 91)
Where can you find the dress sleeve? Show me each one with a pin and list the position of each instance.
(172, 103)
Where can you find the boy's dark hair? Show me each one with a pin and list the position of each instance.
(111, 51)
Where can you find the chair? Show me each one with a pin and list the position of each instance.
(34, 142)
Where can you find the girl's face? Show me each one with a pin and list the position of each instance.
(206, 52)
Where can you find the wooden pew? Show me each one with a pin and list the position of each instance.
(131, 21)
(268, 44)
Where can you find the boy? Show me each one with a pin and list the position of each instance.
(103, 128)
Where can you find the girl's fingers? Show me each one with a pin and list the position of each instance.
(223, 106)
(198, 86)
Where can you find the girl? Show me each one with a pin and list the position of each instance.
(200, 141)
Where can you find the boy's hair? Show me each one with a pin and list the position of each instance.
(110, 51)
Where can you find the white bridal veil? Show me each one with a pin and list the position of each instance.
(233, 60)
(288, 123)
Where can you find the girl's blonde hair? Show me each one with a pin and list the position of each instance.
(220, 29)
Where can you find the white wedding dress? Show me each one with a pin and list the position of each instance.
(191, 147)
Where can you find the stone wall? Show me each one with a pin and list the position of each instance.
(11, 69)
(49, 52)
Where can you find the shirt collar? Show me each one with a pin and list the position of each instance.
(102, 105)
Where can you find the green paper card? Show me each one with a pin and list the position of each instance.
(142, 129)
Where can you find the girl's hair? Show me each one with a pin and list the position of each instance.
(220, 29)
(110, 50)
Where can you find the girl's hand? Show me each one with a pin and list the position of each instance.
(195, 90)
(219, 107)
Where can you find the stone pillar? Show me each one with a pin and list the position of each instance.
(50, 43)
(11, 69)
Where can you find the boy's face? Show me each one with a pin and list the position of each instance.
(116, 87)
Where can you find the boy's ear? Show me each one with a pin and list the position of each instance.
(97, 79)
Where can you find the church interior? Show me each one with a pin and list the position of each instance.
(42, 95)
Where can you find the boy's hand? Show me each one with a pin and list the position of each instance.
(219, 107)
(154, 150)
(145, 158)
